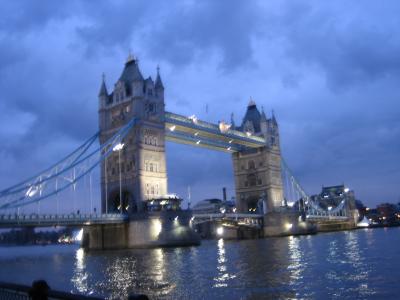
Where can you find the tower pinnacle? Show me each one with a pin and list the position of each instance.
(251, 102)
(158, 83)
(103, 87)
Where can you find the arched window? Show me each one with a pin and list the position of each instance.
(251, 164)
(151, 167)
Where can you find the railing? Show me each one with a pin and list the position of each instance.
(21, 292)
(251, 220)
(64, 219)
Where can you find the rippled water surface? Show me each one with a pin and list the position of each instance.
(360, 264)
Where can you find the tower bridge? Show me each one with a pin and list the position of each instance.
(133, 128)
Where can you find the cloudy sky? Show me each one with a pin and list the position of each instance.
(330, 70)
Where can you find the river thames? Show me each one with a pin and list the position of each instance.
(359, 264)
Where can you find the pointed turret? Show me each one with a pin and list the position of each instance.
(263, 116)
(263, 123)
(103, 88)
(233, 122)
(159, 85)
(273, 119)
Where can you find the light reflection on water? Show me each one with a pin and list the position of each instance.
(297, 264)
(360, 264)
(221, 280)
(80, 277)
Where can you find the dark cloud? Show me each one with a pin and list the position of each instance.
(24, 16)
(225, 28)
(351, 45)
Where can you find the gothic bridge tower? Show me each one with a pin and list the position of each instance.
(141, 162)
(258, 171)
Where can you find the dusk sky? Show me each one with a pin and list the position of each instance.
(330, 70)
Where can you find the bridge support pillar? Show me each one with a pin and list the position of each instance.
(286, 223)
(145, 230)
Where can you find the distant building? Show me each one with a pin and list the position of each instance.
(387, 210)
(331, 196)
(212, 206)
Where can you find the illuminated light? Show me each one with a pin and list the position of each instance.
(126, 208)
(290, 203)
(231, 141)
(193, 118)
(118, 147)
(191, 219)
(176, 218)
(234, 209)
(119, 207)
(383, 218)
(248, 133)
(32, 191)
(288, 226)
(229, 148)
(79, 236)
(172, 128)
(223, 127)
(367, 209)
(157, 227)
(220, 230)
(196, 133)
(346, 190)
(222, 210)
(329, 207)
(198, 142)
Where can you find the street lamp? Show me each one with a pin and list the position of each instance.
(118, 147)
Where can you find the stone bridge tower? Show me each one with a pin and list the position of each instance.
(141, 162)
(258, 171)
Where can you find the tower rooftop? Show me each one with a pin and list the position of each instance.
(131, 70)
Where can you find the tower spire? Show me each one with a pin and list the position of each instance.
(103, 87)
(233, 122)
(263, 116)
(251, 102)
(158, 83)
(273, 118)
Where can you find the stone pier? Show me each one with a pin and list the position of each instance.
(146, 230)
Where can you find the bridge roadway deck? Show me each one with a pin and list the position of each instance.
(34, 220)
(185, 130)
